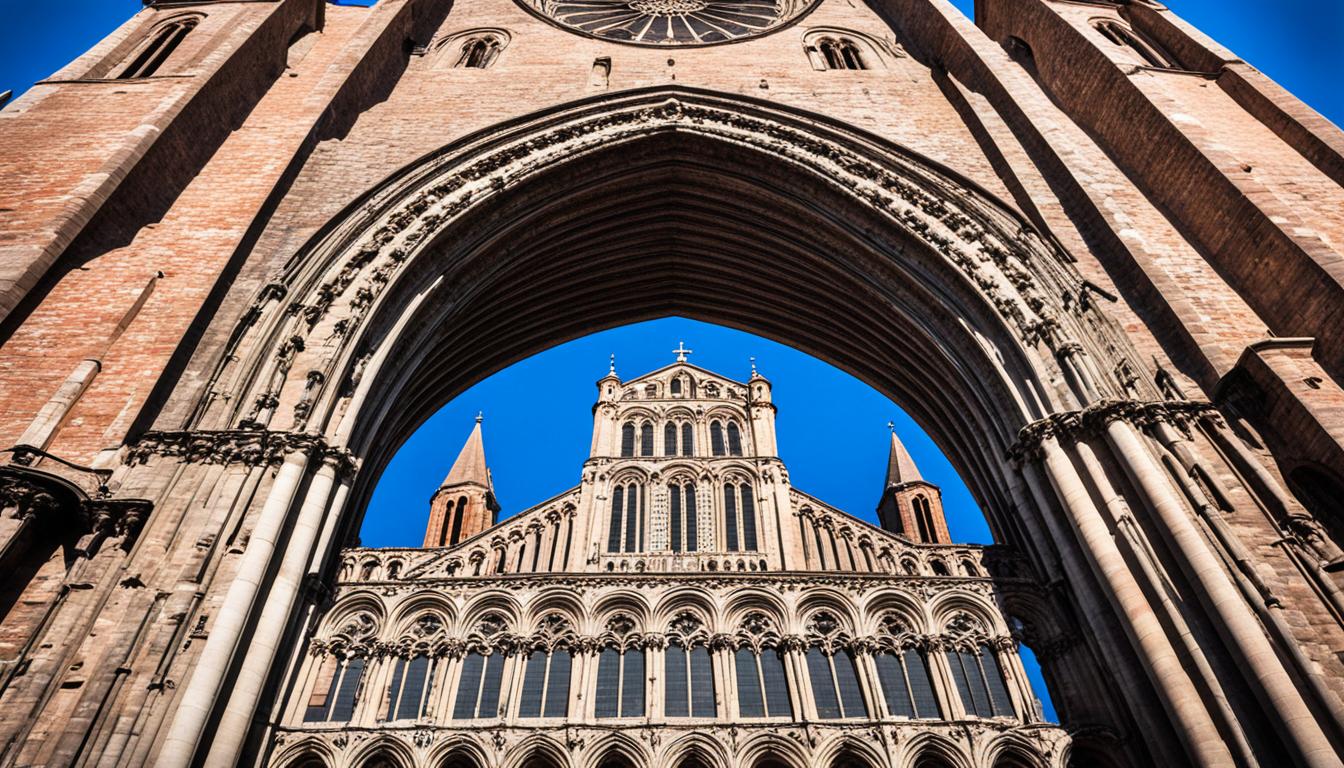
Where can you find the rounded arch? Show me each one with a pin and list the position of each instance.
(945, 607)
(309, 752)
(751, 599)
(769, 750)
(554, 600)
(694, 750)
(682, 599)
(1012, 751)
(495, 602)
(537, 751)
(929, 750)
(615, 750)
(877, 606)
(406, 613)
(383, 751)
(846, 751)
(458, 752)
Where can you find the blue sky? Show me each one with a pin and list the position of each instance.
(832, 428)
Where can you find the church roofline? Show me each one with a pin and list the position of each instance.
(692, 366)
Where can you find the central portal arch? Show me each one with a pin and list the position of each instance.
(733, 211)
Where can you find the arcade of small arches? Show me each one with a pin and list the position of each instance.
(680, 434)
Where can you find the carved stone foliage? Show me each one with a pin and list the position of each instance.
(235, 446)
(47, 503)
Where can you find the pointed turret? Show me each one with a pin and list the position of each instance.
(464, 505)
(910, 505)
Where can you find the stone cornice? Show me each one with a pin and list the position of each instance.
(250, 447)
(1094, 418)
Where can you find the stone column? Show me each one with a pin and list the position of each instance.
(264, 644)
(1193, 724)
(1243, 634)
(198, 699)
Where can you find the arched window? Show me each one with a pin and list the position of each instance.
(739, 517)
(456, 535)
(906, 684)
(1125, 37)
(627, 439)
(734, 439)
(646, 439)
(546, 684)
(687, 440)
(716, 438)
(670, 439)
(682, 521)
(412, 683)
(675, 386)
(928, 533)
(835, 684)
(938, 568)
(620, 682)
(627, 508)
(762, 686)
(333, 699)
(834, 53)
(479, 52)
(688, 675)
(980, 682)
(478, 686)
(164, 41)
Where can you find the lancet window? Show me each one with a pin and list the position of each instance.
(479, 52)
(734, 439)
(670, 439)
(337, 691)
(716, 438)
(627, 518)
(835, 53)
(739, 517)
(832, 671)
(482, 673)
(164, 41)
(627, 439)
(409, 691)
(903, 673)
(620, 673)
(546, 683)
(682, 521)
(975, 670)
(762, 684)
(687, 440)
(928, 532)
(688, 671)
(646, 439)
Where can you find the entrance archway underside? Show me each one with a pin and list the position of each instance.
(882, 263)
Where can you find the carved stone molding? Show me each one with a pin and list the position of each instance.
(1094, 418)
(250, 447)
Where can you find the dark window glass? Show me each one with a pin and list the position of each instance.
(716, 438)
(457, 520)
(970, 684)
(998, 692)
(534, 682)
(687, 440)
(847, 678)
(490, 681)
(676, 386)
(646, 440)
(157, 52)
(748, 519)
(412, 689)
(633, 497)
(702, 683)
(674, 516)
(398, 671)
(776, 684)
(628, 439)
(608, 683)
(675, 680)
(614, 536)
(691, 543)
(557, 685)
(632, 684)
(469, 686)
(344, 705)
(670, 440)
(734, 439)
(749, 701)
(320, 700)
(823, 686)
(730, 517)
(894, 689)
(921, 685)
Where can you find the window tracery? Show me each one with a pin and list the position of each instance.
(479, 51)
(975, 668)
(688, 671)
(762, 683)
(627, 518)
(162, 43)
(1125, 37)
(682, 517)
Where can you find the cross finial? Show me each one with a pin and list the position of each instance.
(892, 426)
(479, 416)
(681, 351)
(612, 369)
(753, 365)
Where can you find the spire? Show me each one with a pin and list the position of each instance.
(900, 466)
(470, 465)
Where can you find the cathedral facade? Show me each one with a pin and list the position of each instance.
(249, 246)
(683, 605)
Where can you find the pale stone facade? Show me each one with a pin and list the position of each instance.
(250, 246)
(783, 574)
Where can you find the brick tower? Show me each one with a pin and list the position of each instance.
(911, 506)
(464, 505)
